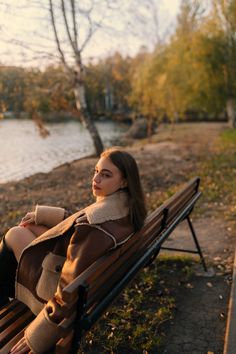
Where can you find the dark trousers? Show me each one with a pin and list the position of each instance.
(8, 265)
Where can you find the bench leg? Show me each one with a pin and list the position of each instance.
(198, 248)
(196, 243)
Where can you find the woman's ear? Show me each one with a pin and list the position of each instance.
(124, 183)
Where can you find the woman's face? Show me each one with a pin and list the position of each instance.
(107, 178)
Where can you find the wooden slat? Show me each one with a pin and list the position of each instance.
(7, 347)
(8, 307)
(64, 344)
(192, 184)
(12, 316)
(178, 206)
(20, 323)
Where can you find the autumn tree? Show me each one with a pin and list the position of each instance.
(181, 82)
(12, 89)
(224, 19)
(168, 82)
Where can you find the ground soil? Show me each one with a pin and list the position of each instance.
(166, 162)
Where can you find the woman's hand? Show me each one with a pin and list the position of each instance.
(29, 218)
(20, 347)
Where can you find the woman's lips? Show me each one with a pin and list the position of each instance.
(96, 187)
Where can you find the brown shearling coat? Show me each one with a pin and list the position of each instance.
(59, 255)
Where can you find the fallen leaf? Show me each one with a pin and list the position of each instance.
(209, 284)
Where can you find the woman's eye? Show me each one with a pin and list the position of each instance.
(103, 174)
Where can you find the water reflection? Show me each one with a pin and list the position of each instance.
(23, 152)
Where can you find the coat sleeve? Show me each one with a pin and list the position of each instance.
(86, 245)
(49, 216)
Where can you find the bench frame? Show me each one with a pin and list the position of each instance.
(96, 291)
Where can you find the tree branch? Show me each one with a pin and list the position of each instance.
(72, 2)
(67, 25)
(89, 35)
(63, 60)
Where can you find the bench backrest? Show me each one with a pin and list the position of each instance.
(98, 281)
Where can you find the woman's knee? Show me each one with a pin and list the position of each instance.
(12, 235)
(17, 238)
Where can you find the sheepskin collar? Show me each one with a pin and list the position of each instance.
(112, 207)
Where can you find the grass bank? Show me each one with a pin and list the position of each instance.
(136, 322)
(218, 175)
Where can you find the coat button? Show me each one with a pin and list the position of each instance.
(58, 268)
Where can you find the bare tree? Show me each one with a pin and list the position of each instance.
(67, 11)
(73, 24)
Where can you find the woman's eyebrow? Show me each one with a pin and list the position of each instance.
(106, 170)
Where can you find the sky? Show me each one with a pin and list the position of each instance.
(25, 34)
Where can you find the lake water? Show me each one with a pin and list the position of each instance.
(24, 152)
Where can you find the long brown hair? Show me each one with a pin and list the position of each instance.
(129, 169)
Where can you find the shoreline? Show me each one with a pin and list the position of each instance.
(46, 173)
(27, 153)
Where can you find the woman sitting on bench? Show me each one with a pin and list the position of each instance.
(52, 248)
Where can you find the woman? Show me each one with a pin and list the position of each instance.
(51, 249)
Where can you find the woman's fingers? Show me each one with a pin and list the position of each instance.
(20, 347)
(29, 218)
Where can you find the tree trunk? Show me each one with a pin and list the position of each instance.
(81, 105)
(149, 128)
(230, 109)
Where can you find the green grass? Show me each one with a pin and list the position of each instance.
(218, 176)
(229, 137)
(136, 322)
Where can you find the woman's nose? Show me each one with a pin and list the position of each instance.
(97, 178)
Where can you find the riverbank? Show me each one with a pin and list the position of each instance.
(24, 151)
(174, 155)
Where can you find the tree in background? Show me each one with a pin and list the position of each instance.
(108, 86)
(144, 96)
(72, 15)
(181, 67)
(224, 17)
(190, 75)
(12, 89)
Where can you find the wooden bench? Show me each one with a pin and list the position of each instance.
(105, 279)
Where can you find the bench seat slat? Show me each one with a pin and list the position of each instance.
(7, 347)
(64, 344)
(8, 307)
(20, 323)
(12, 316)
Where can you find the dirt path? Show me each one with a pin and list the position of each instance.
(168, 161)
(199, 324)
